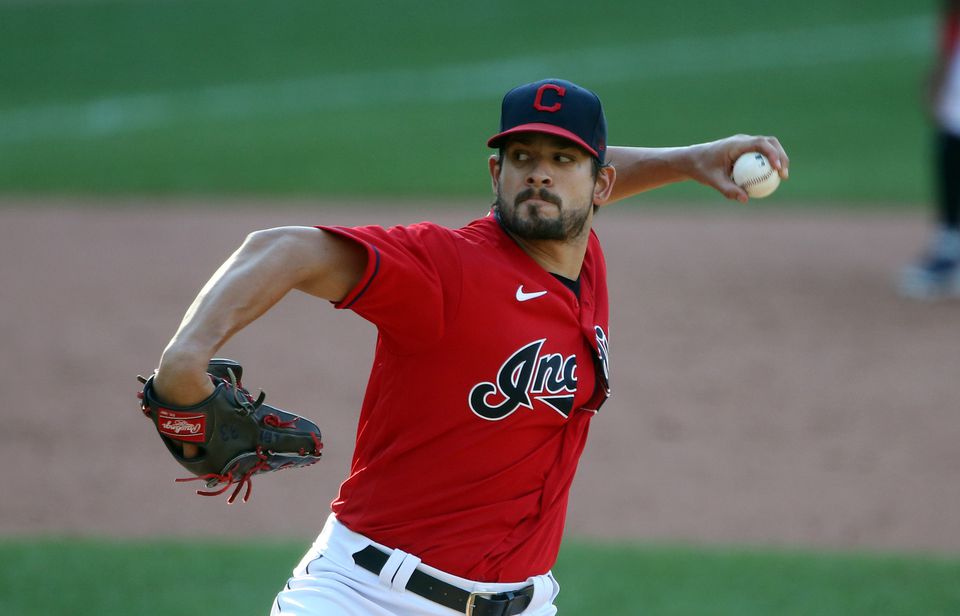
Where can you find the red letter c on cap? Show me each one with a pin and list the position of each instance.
(538, 101)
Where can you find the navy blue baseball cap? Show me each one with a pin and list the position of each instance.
(556, 107)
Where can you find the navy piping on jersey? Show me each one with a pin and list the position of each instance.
(376, 268)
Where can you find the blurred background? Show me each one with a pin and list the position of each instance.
(783, 433)
(306, 98)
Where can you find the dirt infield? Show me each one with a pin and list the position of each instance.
(768, 385)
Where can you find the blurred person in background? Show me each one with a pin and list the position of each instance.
(937, 273)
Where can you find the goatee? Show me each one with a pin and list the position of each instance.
(568, 225)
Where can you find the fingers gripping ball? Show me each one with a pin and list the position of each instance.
(238, 435)
(754, 173)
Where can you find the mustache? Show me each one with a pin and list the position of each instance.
(543, 194)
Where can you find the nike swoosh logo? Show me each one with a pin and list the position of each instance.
(522, 296)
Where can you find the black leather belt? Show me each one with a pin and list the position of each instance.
(470, 603)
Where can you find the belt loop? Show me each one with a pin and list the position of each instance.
(389, 570)
(542, 590)
(404, 571)
(398, 570)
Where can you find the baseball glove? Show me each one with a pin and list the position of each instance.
(238, 435)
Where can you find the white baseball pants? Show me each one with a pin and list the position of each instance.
(327, 582)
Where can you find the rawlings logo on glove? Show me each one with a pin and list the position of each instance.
(239, 436)
(175, 425)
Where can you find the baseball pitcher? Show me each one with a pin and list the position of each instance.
(492, 359)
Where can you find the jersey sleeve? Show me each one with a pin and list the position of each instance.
(411, 285)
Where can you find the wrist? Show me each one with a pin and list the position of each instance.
(182, 377)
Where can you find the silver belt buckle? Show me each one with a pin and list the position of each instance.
(472, 599)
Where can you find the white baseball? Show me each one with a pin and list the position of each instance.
(753, 173)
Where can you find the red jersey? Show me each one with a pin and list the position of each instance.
(487, 372)
(950, 36)
(948, 105)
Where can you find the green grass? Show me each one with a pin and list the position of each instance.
(382, 98)
(681, 581)
(147, 577)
